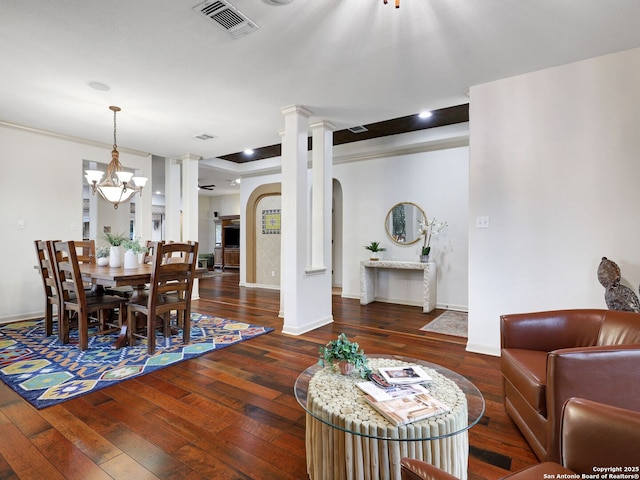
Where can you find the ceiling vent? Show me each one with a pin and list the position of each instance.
(358, 129)
(204, 136)
(227, 16)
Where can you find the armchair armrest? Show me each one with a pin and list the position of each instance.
(599, 435)
(606, 374)
(551, 330)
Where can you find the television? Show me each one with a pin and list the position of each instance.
(232, 237)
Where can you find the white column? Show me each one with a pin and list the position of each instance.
(189, 197)
(322, 172)
(190, 205)
(304, 308)
(172, 199)
(143, 203)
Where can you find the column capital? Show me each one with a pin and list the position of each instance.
(299, 109)
(324, 124)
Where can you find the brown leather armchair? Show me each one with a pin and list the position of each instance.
(549, 357)
(593, 436)
(596, 439)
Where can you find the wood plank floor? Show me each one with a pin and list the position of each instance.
(231, 414)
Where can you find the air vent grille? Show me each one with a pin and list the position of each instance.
(228, 17)
(358, 129)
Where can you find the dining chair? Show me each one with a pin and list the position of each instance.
(47, 273)
(172, 274)
(75, 299)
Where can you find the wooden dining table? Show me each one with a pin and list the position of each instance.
(137, 278)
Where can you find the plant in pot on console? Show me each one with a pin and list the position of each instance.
(133, 249)
(115, 252)
(344, 354)
(375, 249)
(102, 256)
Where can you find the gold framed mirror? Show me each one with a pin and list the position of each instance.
(403, 223)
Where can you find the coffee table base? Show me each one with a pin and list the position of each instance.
(333, 454)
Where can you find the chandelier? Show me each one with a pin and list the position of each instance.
(118, 186)
(397, 3)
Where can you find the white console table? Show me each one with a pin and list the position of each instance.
(368, 277)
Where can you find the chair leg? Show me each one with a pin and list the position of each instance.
(186, 327)
(151, 334)
(63, 326)
(83, 332)
(48, 319)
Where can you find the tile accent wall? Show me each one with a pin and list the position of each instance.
(267, 241)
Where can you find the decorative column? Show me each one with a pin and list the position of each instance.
(190, 206)
(321, 190)
(304, 309)
(172, 199)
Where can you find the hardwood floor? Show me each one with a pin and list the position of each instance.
(231, 414)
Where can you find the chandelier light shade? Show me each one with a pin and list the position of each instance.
(119, 186)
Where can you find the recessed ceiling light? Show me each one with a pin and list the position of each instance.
(248, 151)
(425, 114)
(99, 86)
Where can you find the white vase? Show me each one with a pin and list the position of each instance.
(103, 261)
(115, 256)
(130, 259)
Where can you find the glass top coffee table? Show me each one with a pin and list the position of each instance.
(347, 438)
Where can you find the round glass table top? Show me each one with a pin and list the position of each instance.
(336, 401)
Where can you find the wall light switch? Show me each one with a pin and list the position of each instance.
(482, 222)
(20, 224)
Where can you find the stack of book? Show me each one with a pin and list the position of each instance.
(398, 394)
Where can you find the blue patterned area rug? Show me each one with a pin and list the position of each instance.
(45, 372)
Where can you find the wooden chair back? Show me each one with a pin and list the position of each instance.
(173, 271)
(69, 278)
(48, 275)
(86, 251)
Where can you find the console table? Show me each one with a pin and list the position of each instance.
(368, 278)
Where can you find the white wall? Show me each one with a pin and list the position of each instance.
(555, 165)
(41, 184)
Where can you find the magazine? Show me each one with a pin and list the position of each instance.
(405, 374)
(400, 411)
(398, 391)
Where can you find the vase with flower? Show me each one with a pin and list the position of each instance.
(426, 231)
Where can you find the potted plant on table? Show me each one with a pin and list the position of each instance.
(102, 256)
(375, 249)
(347, 355)
(133, 249)
(115, 252)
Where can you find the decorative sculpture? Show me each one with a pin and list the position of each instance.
(617, 296)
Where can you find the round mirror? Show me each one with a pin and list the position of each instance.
(403, 223)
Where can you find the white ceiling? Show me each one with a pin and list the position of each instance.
(176, 74)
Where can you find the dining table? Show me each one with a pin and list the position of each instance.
(137, 278)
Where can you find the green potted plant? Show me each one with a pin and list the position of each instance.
(102, 256)
(344, 354)
(375, 249)
(133, 248)
(115, 252)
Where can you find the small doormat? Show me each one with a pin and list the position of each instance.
(449, 323)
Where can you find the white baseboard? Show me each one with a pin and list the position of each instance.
(308, 327)
(483, 349)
